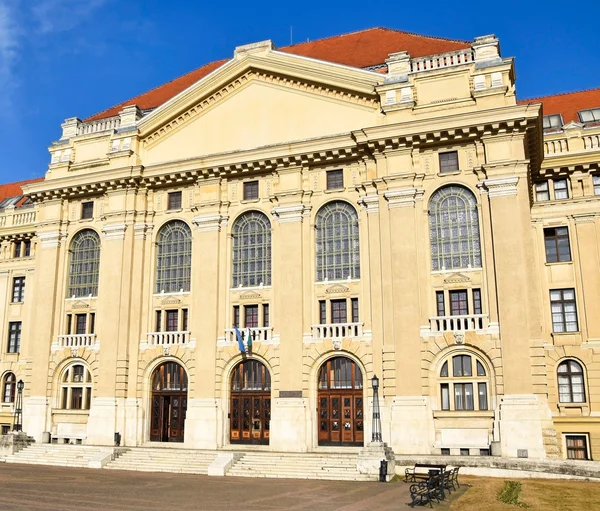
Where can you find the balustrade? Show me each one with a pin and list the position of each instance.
(463, 323)
(449, 59)
(76, 340)
(337, 330)
(168, 338)
(259, 334)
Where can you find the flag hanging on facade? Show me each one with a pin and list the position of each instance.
(249, 339)
(240, 341)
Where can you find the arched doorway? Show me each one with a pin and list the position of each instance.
(169, 403)
(340, 403)
(250, 410)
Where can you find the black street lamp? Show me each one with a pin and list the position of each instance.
(376, 436)
(18, 418)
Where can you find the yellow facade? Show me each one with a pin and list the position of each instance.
(403, 140)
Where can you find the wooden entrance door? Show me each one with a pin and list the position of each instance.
(169, 403)
(250, 404)
(340, 403)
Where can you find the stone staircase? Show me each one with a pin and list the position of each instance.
(330, 466)
(59, 454)
(156, 459)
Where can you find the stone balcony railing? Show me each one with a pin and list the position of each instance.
(12, 217)
(112, 123)
(337, 330)
(75, 341)
(178, 337)
(466, 323)
(441, 60)
(259, 334)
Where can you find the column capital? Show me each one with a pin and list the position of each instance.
(584, 218)
(141, 230)
(114, 231)
(290, 213)
(370, 203)
(50, 239)
(210, 223)
(501, 187)
(403, 198)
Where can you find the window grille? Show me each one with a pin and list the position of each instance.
(335, 179)
(85, 263)
(338, 255)
(174, 258)
(454, 229)
(570, 382)
(251, 250)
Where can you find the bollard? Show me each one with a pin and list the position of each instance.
(117, 439)
(383, 468)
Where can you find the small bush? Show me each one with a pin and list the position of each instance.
(510, 494)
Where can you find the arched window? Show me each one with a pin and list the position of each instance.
(8, 388)
(85, 264)
(251, 250)
(76, 388)
(251, 375)
(174, 258)
(337, 248)
(464, 384)
(570, 382)
(168, 377)
(454, 229)
(340, 373)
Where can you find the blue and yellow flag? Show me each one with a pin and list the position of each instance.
(239, 339)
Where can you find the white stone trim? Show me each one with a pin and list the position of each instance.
(370, 203)
(114, 231)
(501, 187)
(50, 239)
(403, 198)
(210, 223)
(289, 214)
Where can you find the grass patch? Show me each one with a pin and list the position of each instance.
(510, 494)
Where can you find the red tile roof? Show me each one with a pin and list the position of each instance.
(568, 103)
(358, 49)
(14, 189)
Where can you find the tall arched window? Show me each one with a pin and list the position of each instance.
(454, 229)
(570, 382)
(464, 384)
(85, 264)
(337, 248)
(76, 388)
(251, 250)
(174, 257)
(8, 388)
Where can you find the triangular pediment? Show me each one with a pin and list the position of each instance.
(456, 278)
(171, 300)
(260, 98)
(337, 288)
(250, 295)
(79, 304)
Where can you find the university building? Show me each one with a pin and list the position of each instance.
(230, 258)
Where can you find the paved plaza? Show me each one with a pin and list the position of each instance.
(27, 487)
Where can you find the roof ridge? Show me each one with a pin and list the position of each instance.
(24, 181)
(568, 93)
(155, 88)
(338, 36)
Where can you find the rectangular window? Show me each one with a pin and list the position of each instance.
(65, 393)
(564, 310)
(542, 192)
(88, 398)
(80, 323)
(18, 291)
(482, 391)
(577, 447)
(596, 182)
(184, 320)
(590, 115)
(458, 303)
(251, 316)
(174, 200)
(440, 303)
(236, 316)
(354, 310)
(322, 312)
(251, 190)
(14, 337)
(561, 190)
(461, 365)
(556, 240)
(266, 318)
(172, 320)
(26, 248)
(92, 322)
(448, 162)
(477, 301)
(338, 311)
(78, 374)
(158, 321)
(87, 210)
(445, 390)
(335, 179)
(445, 451)
(17, 250)
(464, 452)
(553, 121)
(463, 396)
(76, 398)
(68, 325)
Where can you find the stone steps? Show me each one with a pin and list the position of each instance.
(58, 455)
(146, 459)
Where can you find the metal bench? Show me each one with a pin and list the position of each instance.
(422, 471)
(426, 492)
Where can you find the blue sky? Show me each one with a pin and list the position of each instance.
(65, 58)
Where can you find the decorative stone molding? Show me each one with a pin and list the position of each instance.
(79, 304)
(210, 223)
(114, 232)
(129, 117)
(337, 344)
(456, 278)
(171, 300)
(250, 295)
(289, 214)
(70, 127)
(584, 218)
(403, 198)
(501, 187)
(486, 49)
(141, 230)
(370, 203)
(75, 352)
(459, 337)
(50, 239)
(337, 288)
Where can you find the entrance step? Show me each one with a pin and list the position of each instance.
(152, 459)
(328, 466)
(60, 455)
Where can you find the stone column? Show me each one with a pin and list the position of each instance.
(520, 410)
(410, 416)
(289, 409)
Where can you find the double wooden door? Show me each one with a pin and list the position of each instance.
(341, 418)
(168, 417)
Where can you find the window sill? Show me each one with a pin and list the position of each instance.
(471, 414)
(172, 293)
(330, 282)
(559, 262)
(449, 173)
(565, 334)
(178, 210)
(456, 270)
(334, 190)
(80, 298)
(56, 411)
(250, 201)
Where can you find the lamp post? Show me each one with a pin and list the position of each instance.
(18, 418)
(376, 435)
